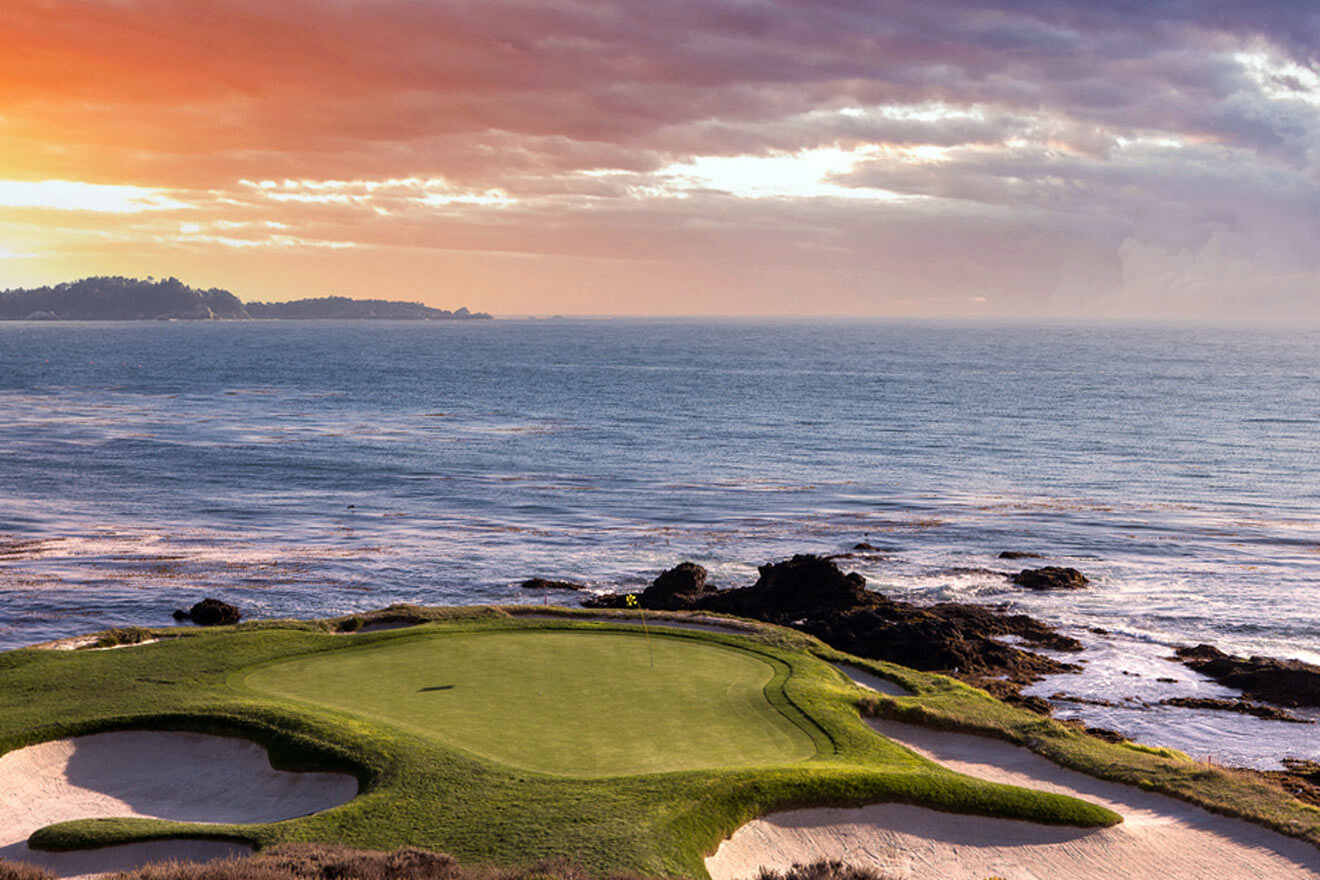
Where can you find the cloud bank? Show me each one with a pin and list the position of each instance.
(1030, 158)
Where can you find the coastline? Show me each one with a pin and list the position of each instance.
(1077, 692)
(1007, 844)
(269, 468)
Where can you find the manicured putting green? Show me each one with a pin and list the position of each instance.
(575, 703)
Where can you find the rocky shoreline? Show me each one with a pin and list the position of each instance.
(969, 642)
(1288, 683)
(813, 594)
(983, 646)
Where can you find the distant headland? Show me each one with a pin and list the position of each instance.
(108, 298)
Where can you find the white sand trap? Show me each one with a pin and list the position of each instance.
(77, 643)
(871, 681)
(189, 777)
(1160, 838)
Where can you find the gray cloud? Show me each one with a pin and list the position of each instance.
(1069, 151)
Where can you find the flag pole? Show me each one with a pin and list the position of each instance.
(631, 602)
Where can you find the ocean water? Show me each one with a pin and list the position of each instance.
(317, 468)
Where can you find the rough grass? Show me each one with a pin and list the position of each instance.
(420, 791)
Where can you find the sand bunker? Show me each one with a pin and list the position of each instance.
(871, 681)
(187, 777)
(1160, 836)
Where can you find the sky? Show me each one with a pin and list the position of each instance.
(942, 158)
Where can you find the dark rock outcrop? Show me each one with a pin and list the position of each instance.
(1242, 707)
(676, 588)
(1290, 683)
(1060, 697)
(1051, 577)
(210, 612)
(539, 583)
(804, 586)
(1018, 554)
(1106, 734)
(812, 594)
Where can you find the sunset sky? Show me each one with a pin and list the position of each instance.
(1054, 158)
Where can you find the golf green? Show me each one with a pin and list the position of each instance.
(572, 703)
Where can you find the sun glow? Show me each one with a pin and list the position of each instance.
(72, 195)
(429, 192)
(1281, 79)
(805, 173)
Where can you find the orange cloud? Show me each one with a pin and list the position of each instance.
(660, 157)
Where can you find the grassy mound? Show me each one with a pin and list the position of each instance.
(571, 703)
(488, 736)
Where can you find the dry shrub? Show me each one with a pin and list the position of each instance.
(548, 869)
(824, 869)
(306, 861)
(325, 862)
(128, 635)
(23, 871)
(314, 861)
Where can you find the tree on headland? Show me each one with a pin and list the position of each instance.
(115, 298)
(343, 307)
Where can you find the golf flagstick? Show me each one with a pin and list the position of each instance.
(631, 602)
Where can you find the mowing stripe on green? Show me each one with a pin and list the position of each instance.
(568, 703)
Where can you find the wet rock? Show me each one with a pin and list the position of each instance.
(1242, 707)
(210, 612)
(812, 594)
(1019, 554)
(538, 583)
(1106, 734)
(1051, 577)
(607, 600)
(677, 588)
(864, 547)
(1290, 683)
(1060, 697)
(1031, 704)
(805, 585)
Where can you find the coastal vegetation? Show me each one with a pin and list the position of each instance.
(424, 706)
(478, 784)
(115, 298)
